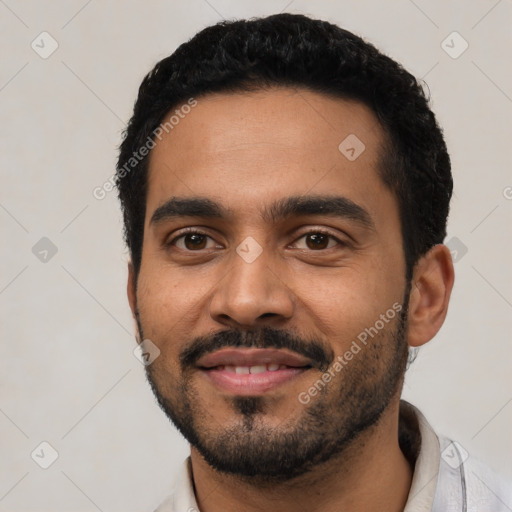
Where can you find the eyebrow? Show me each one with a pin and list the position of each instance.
(295, 206)
(187, 207)
(332, 206)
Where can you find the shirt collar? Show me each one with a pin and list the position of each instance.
(426, 468)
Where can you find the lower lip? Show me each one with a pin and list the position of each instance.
(251, 383)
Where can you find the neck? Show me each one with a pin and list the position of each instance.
(372, 474)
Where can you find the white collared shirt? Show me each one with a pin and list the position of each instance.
(445, 478)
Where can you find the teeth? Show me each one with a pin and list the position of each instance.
(258, 368)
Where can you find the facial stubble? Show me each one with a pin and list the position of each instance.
(351, 404)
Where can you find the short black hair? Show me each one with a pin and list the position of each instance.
(292, 50)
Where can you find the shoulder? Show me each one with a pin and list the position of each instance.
(446, 477)
(465, 483)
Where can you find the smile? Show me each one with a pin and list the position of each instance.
(249, 372)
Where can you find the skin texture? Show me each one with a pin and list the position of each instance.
(245, 152)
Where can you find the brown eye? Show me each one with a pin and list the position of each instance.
(317, 241)
(193, 241)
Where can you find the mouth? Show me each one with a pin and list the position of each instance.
(249, 372)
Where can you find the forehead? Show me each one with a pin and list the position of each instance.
(245, 149)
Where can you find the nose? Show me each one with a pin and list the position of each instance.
(251, 295)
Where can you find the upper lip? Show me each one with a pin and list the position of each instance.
(252, 357)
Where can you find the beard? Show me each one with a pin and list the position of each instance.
(248, 446)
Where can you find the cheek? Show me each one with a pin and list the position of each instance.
(162, 307)
(164, 296)
(347, 302)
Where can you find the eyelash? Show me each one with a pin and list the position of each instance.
(195, 231)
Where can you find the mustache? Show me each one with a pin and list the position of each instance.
(320, 355)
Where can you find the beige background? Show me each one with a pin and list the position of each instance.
(67, 369)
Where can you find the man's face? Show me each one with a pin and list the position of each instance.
(289, 253)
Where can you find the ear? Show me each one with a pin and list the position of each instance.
(131, 289)
(432, 284)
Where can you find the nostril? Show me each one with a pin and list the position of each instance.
(266, 315)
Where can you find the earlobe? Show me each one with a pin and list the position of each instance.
(431, 287)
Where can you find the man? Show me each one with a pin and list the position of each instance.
(285, 190)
